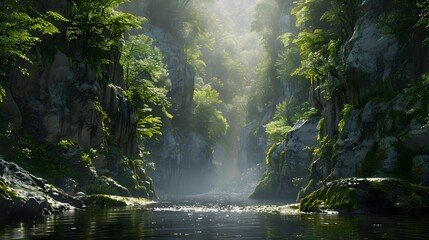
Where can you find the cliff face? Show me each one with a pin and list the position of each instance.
(77, 115)
(183, 158)
(377, 137)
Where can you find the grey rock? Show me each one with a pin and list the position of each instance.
(416, 141)
(32, 196)
(389, 156)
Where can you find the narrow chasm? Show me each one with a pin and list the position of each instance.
(214, 119)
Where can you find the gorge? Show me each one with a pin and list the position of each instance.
(247, 114)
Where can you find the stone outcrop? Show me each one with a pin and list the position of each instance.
(62, 99)
(24, 194)
(183, 158)
(378, 137)
(370, 195)
(288, 163)
(184, 163)
(181, 74)
(376, 142)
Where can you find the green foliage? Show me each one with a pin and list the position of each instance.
(65, 144)
(20, 29)
(97, 28)
(266, 20)
(270, 151)
(86, 157)
(141, 60)
(139, 183)
(104, 118)
(2, 93)
(280, 125)
(320, 127)
(344, 113)
(286, 115)
(146, 83)
(207, 119)
(324, 27)
(418, 91)
(399, 18)
(424, 16)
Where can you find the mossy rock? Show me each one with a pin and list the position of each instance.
(368, 195)
(267, 188)
(6, 193)
(105, 185)
(103, 200)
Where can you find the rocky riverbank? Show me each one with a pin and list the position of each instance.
(368, 195)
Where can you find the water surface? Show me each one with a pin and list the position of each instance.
(203, 218)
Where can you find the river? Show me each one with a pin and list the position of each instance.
(212, 217)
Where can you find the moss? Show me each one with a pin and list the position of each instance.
(305, 190)
(103, 200)
(320, 127)
(335, 197)
(6, 192)
(271, 151)
(400, 193)
(372, 195)
(345, 113)
(266, 188)
(102, 185)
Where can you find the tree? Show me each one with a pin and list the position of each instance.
(146, 83)
(20, 29)
(325, 26)
(97, 28)
(207, 119)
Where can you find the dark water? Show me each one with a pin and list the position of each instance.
(208, 219)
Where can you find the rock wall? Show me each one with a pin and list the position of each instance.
(64, 100)
(288, 163)
(378, 137)
(183, 158)
(23, 194)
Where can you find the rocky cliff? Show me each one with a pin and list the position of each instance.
(70, 123)
(374, 131)
(183, 158)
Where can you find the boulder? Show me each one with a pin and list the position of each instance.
(288, 163)
(370, 195)
(350, 148)
(24, 194)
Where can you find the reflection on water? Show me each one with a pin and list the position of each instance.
(212, 220)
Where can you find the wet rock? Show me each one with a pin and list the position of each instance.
(26, 195)
(371, 195)
(101, 200)
(288, 163)
(105, 185)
